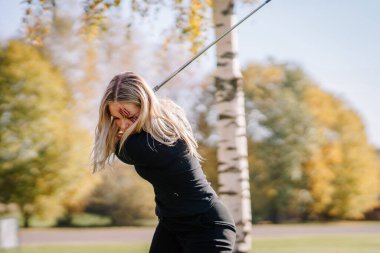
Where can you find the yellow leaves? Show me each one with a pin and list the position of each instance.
(320, 178)
(47, 147)
(37, 21)
(195, 21)
(272, 74)
(322, 105)
(264, 75)
(39, 16)
(342, 171)
(94, 19)
(192, 19)
(332, 153)
(271, 193)
(116, 3)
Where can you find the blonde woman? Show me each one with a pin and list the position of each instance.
(154, 135)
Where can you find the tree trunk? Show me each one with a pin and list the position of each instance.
(273, 213)
(27, 217)
(233, 173)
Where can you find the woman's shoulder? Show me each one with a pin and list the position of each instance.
(144, 141)
(140, 138)
(137, 136)
(147, 138)
(143, 149)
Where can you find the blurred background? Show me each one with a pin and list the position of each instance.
(311, 85)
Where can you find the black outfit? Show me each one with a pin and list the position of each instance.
(191, 216)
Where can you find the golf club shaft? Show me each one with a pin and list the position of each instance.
(157, 87)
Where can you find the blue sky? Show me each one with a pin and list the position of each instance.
(336, 42)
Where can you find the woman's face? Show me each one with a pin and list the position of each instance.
(124, 114)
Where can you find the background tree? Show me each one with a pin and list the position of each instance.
(37, 133)
(232, 153)
(123, 196)
(281, 138)
(307, 148)
(343, 172)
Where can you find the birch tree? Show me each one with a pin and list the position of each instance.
(191, 22)
(232, 154)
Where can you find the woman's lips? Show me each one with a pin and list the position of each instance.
(120, 134)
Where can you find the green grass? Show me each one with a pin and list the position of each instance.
(318, 244)
(90, 220)
(291, 244)
(87, 220)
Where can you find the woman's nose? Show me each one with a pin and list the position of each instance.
(124, 125)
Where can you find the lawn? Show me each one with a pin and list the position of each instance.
(318, 244)
(289, 244)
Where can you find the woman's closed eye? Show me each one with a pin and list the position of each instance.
(127, 115)
(133, 118)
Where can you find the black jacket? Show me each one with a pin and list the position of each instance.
(180, 186)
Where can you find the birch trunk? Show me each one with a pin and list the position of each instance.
(233, 173)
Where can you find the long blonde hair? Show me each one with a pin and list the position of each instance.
(161, 118)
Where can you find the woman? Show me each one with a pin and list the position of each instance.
(155, 136)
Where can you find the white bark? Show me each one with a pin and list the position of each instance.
(233, 173)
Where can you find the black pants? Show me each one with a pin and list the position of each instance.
(209, 232)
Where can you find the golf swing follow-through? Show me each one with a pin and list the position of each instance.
(155, 136)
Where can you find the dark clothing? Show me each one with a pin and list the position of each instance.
(178, 180)
(209, 232)
(192, 219)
